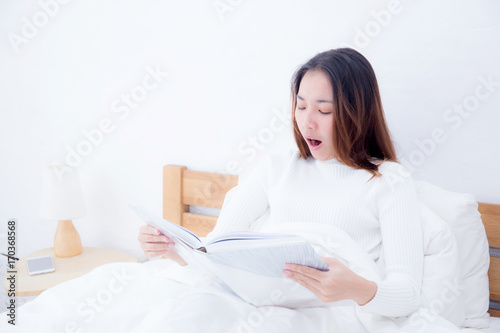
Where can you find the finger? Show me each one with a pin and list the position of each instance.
(312, 288)
(308, 283)
(155, 247)
(313, 285)
(147, 229)
(152, 254)
(305, 270)
(147, 238)
(330, 262)
(303, 279)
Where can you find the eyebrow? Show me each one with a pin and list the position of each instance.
(318, 100)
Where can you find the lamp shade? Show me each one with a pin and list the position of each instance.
(62, 197)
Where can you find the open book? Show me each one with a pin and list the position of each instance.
(256, 252)
(251, 264)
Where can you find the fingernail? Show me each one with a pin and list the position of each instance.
(165, 239)
(171, 245)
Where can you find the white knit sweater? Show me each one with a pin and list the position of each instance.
(380, 214)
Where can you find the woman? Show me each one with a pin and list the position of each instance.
(345, 175)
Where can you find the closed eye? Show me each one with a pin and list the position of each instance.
(324, 112)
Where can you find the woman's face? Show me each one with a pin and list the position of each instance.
(314, 114)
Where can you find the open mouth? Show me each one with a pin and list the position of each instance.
(314, 142)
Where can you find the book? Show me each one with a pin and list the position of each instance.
(256, 252)
(250, 264)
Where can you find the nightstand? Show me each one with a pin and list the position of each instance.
(66, 268)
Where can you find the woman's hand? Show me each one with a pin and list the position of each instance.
(153, 243)
(339, 283)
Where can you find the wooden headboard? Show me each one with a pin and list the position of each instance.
(490, 214)
(183, 188)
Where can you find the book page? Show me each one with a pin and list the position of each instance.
(174, 231)
(247, 240)
(241, 239)
(269, 259)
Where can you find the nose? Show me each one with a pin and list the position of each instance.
(309, 120)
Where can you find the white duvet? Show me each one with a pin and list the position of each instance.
(161, 296)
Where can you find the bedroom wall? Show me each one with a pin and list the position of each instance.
(121, 88)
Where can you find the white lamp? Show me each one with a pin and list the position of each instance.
(62, 199)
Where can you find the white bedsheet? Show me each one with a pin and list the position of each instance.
(494, 327)
(161, 296)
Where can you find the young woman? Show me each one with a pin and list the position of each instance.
(346, 175)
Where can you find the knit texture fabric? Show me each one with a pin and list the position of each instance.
(380, 214)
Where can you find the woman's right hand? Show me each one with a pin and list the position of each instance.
(153, 243)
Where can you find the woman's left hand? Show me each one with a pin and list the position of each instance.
(339, 283)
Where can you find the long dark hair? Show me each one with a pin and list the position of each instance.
(361, 138)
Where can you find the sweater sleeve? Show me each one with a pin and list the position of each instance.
(244, 203)
(399, 293)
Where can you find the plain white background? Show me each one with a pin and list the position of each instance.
(221, 95)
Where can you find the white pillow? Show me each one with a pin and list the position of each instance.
(461, 212)
(442, 279)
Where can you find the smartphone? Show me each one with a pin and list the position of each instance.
(40, 265)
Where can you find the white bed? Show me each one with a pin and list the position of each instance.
(148, 297)
(128, 297)
(494, 327)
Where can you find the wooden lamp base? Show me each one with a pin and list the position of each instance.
(67, 242)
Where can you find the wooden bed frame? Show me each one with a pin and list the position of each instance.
(183, 188)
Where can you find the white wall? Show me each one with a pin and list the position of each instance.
(228, 78)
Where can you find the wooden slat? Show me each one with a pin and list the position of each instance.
(206, 189)
(494, 276)
(490, 214)
(494, 313)
(173, 208)
(200, 225)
